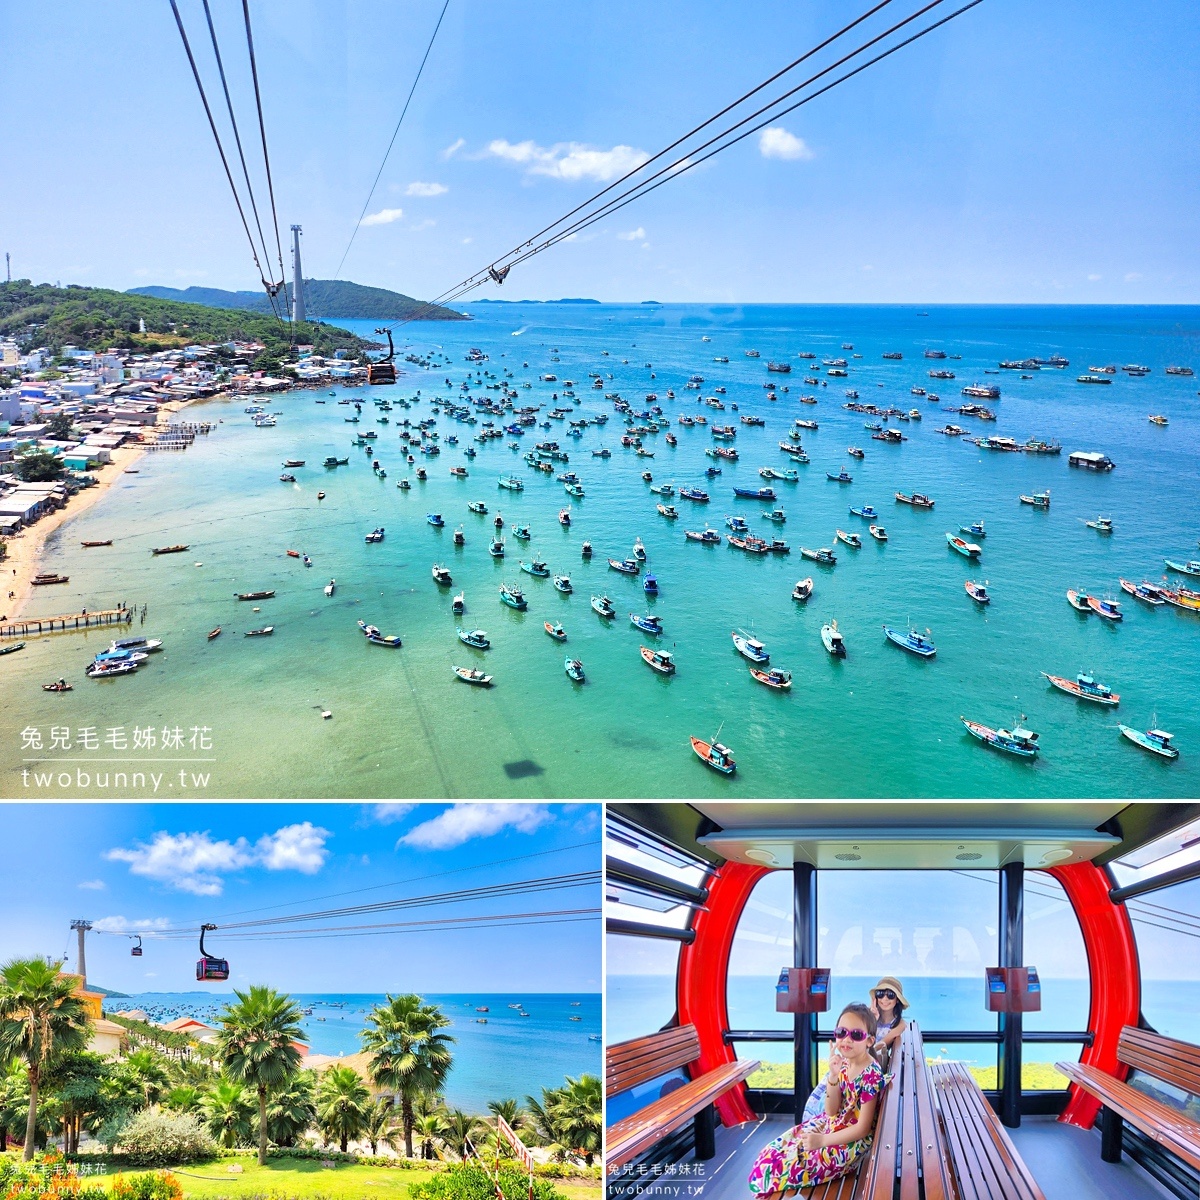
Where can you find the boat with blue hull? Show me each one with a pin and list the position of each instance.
(647, 624)
(912, 641)
(1084, 687)
(1019, 741)
(1157, 741)
(763, 493)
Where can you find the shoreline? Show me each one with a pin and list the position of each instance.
(25, 548)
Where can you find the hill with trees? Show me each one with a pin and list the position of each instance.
(335, 299)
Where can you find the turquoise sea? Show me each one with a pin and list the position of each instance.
(510, 1056)
(880, 723)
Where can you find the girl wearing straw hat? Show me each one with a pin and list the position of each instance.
(888, 1003)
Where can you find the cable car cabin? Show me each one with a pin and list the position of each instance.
(1033, 974)
(136, 951)
(384, 369)
(207, 967)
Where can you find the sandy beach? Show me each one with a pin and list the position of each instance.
(25, 548)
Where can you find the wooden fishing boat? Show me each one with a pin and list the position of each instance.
(1191, 567)
(975, 529)
(669, 511)
(459, 604)
(1084, 687)
(574, 670)
(824, 556)
(537, 567)
(293, 554)
(90, 545)
(1101, 524)
(1079, 601)
(1038, 499)
(1021, 742)
(917, 499)
(555, 630)
(878, 532)
(1157, 741)
(803, 589)
(169, 549)
(912, 641)
(441, 575)
(1110, 610)
(214, 633)
(851, 539)
(604, 606)
(714, 755)
(477, 506)
(13, 648)
(477, 639)
(47, 578)
(626, 566)
(658, 660)
(977, 591)
(832, 640)
(710, 537)
(102, 670)
(562, 583)
(265, 631)
(513, 597)
(750, 648)
(965, 548)
(60, 686)
(774, 678)
(1141, 592)
(472, 676)
(254, 595)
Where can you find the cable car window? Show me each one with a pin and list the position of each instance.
(640, 986)
(934, 931)
(762, 945)
(1166, 924)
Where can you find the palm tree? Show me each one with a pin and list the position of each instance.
(409, 1056)
(429, 1128)
(343, 1103)
(150, 1071)
(257, 1046)
(41, 1015)
(458, 1129)
(292, 1110)
(514, 1116)
(379, 1127)
(184, 1098)
(568, 1119)
(227, 1111)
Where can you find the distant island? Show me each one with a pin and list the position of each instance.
(324, 299)
(564, 300)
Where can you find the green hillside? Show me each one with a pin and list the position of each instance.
(96, 319)
(327, 299)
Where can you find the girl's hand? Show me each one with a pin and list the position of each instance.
(813, 1140)
(837, 1064)
(875, 1009)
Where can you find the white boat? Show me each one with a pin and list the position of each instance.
(832, 640)
(750, 648)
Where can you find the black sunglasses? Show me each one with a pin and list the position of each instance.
(855, 1035)
(886, 994)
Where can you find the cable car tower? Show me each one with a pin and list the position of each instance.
(81, 927)
(298, 314)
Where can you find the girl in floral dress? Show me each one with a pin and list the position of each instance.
(831, 1143)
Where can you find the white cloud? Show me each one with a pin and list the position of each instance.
(195, 863)
(451, 150)
(1094, 278)
(467, 241)
(426, 189)
(462, 822)
(776, 142)
(571, 161)
(121, 925)
(92, 885)
(389, 813)
(634, 235)
(385, 216)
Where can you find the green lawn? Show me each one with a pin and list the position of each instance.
(1034, 1076)
(287, 1177)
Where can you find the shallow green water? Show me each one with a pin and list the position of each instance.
(880, 723)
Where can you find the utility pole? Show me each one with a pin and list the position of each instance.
(297, 278)
(7, 267)
(81, 927)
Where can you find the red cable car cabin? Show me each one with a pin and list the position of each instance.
(1046, 953)
(209, 968)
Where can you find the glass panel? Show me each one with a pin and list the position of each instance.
(762, 946)
(933, 930)
(980, 1058)
(1054, 944)
(640, 986)
(1167, 927)
(1037, 1064)
(625, 1104)
(778, 1068)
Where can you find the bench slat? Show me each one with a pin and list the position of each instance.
(628, 1064)
(1158, 1121)
(1166, 1058)
(935, 1168)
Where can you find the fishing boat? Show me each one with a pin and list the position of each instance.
(803, 589)
(714, 755)
(1084, 687)
(389, 641)
(917, 500)
(851, 539)
(1141, 592)
(776, 514)
(562, 583)
(975, 529)
(511, 483)
(658, 660)
(496, 548)
(564, 516)
(603, 452)
(403, 485)
(737, 524)
(774, 678)
(477, 506)
(586, 550)
(912, 641)
(1038, 499)
(254, 595)
(472, 676)
(265, 631)
(169, 549)
(664, 489)
(477, 639)
(574, 489)
(1158, 419)
(91, 545)
(49, 577)
(639, 550)
(669, 511)
(60, 685)
(710, 537)
(604, 606)
(843, 476)
(460, 538)
(762, 493)
(866, 511)
(977, 591)
(574, 670)
(1191, 567)
(878, 532)
(1157, 741)
(555, 630)
(750, 648)
(778, 546)
(1101, 524)
(712, 472)
(435, 519)
(293, 554)
(537, 567)
(647, 624)
(1019, 741)
(103, 670)
(1110, 610)
(293, 462)
(13, 648)
(626, 566)
(699, 495)
(856, 452)
(825, 556)
(1078, 600)
(650, 585)
(521, 532)
(376, 535)
(832, 640)
(441, 575)
(965, 548)
(459, 472)
(513, 597)
(214, 633)
(459, 605)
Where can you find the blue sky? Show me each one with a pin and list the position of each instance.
(1029, 152)
(141, 867)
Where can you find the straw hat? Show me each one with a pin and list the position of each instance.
(889, 981)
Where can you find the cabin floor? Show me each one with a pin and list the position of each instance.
(1064, 1160)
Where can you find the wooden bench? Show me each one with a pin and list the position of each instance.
(986, 1165)
(628, 1064)
(1173, 1062)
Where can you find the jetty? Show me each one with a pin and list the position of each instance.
(32, 626)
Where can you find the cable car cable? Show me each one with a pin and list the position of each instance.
(375, 184)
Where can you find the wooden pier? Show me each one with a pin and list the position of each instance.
(31, 626)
